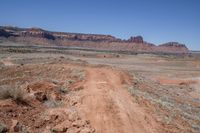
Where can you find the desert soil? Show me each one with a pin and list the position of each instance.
(87, 92)
(103, 101)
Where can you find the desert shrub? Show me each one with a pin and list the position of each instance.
(4, 93)
(78, 73)
(18, 94)
(196, 127)
(56, 82)
(53, 103)
(63, 90)
(3, 128)
(70, 81)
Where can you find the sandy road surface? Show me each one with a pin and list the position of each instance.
(109, 106)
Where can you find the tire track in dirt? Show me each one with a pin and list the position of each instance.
(109, 106)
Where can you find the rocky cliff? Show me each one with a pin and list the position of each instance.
(92, 41)
(136, 39)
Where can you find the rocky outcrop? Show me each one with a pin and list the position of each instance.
(4, 33)
(89, 41)
(173, 44)
(137, 39)
(173, 47)
(36, 32)
(83, 37)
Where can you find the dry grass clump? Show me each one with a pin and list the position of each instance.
(64, 90)
(3, 128)
(16, 93)
(54, 103)
(78, 73)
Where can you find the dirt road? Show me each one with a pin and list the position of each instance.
(109, 106)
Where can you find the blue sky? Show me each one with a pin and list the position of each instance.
(158, 21)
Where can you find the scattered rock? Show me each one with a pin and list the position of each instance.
(77, 124)
(62, 127)
(16, 126)
(40, 96)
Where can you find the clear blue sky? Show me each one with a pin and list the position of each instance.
(158, 21)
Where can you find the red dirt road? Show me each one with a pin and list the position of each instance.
(109, 106)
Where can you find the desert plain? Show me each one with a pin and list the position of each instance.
(45, 89)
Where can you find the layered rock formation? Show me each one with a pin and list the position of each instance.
(36, 32)
(137, 39)
(89, 41)
(172, 46)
